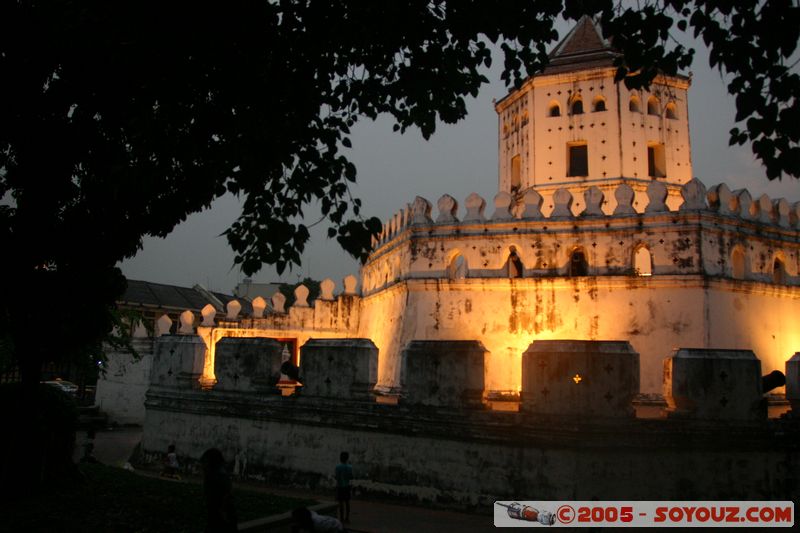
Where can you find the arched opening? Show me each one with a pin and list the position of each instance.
(577, 107)
(514, 266)
(737, 263)
(578, 266)
(457, 268)
(598, 104)
(653, 106)
(671, 111)
(634, 105)
(642, 262)
(554, 110)
(778, 272)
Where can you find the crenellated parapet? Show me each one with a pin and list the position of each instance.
(714, 232)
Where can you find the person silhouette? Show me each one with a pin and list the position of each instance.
(217, 492)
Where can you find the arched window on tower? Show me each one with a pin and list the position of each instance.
(634, 104)
(554, 110)
(457, 269)
(653, 106)
(778, 272)
(598, 104)
(577, 107)
(514, 266)
(578, 265)
(642, 261)
(671, 111)
(737, 263)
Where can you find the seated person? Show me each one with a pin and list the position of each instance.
(306, 520)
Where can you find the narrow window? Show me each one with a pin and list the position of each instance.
(652, 106)
(737, 264)
(656, 161)
(457, 269)
(778, 272)
(577, 107)
(514, 266)
(599, 104)
(671, 111)
(633, 105)
(642, 262)
(515, 173)
(554, 110)
(577, 263)
(578, 164)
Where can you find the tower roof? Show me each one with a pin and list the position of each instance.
(582, 48)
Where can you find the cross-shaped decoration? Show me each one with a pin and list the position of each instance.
(169, 372)
(609, 397)
(327, 381)
(236, 378)
(542, 363)
(577, 378)
(608, 368)
(545, 392)
(172, 351)
(330, 359)
(723, 375)
(723, 401)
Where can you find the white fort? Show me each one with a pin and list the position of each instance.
(598, 232)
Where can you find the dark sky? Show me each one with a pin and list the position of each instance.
(459, 159)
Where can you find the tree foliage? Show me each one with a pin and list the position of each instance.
(119, 119)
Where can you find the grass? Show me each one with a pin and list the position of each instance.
(112, 499)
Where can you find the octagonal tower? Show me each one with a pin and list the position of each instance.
(572, 126)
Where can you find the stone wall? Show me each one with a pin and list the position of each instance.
(473, 459)
(441, 444)
(125, 379)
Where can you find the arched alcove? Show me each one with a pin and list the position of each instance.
(578, 265)
(635, 105)
(598, 104)
(577, 107)
(642, 261)
(514, 267)
(653, 106)
(457, 267)
(738, 259)
(671, 111)
(778, 271)
(554, 110)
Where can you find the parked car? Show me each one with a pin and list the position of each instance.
(66, 386)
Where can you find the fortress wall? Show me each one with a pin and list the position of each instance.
(383, 320)
(759, 317)
(468, 459)
(656, 314)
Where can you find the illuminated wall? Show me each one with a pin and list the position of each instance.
(453, 280)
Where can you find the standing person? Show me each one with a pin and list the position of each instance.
(343, 473)
(217, 491)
